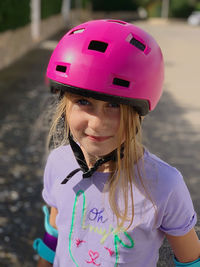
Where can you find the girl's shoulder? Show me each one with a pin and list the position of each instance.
(60, 163)
(164, 183)
(61, 153)
(61, 159)
(160, 171)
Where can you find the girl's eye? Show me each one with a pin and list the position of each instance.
(113, 105)
(83, 102)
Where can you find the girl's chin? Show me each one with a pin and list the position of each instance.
(94, 150)
(96, 153)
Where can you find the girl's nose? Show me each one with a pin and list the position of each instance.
(97, 120)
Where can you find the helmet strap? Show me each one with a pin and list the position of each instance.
(88, 172)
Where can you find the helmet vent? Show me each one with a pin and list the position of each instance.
(98, 46)
(121, 82)
(117, 21)
(137, 44)
(61, 68)
(77, 31)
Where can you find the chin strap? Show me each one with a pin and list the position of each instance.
(82, 162)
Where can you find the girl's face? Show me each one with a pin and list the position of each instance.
(94, 125)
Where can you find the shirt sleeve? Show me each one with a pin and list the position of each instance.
(48, 182)
(179, 216)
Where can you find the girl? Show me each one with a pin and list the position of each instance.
(112, 201)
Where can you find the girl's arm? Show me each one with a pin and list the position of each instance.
(44, 263)
(52, 218)
(52, 221)
(187, 247)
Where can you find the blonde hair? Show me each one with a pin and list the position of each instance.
(122, 179)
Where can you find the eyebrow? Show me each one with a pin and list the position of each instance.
(79, 97)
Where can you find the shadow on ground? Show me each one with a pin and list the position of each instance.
(167, 134)
(24, 102)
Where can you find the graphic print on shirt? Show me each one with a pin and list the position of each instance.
(102, 233)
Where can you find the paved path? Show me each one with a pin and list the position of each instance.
(180, 44)
(171, 131)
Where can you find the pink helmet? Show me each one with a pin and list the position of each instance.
(110, 60)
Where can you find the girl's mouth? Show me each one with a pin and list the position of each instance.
(98, 138)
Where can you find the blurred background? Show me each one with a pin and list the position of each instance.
(29, 31)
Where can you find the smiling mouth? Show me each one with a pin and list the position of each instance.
(98, 138)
